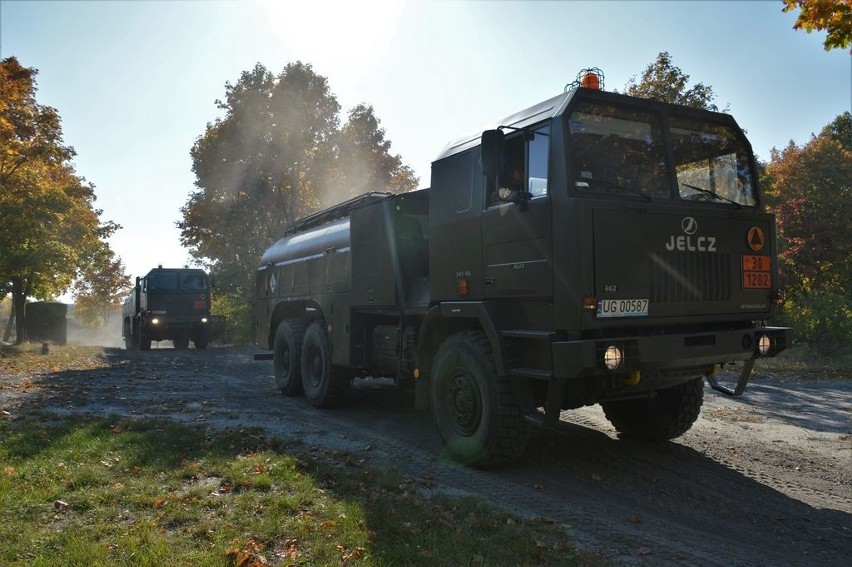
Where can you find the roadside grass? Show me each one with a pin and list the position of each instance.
(85, 491)
(799, 363)
(26, 358)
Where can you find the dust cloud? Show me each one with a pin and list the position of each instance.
(108, 336)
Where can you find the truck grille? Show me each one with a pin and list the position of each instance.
(689, 276)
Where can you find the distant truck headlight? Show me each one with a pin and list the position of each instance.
(155, 321)
(764, 343)
(613, 357)
(204, 319)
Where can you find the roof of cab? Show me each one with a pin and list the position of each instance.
(544, 110)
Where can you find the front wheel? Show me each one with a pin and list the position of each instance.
(144, 338)
(201, 338)
(475, 409)
(129, 342)
(324, 386)
(667, 415)
(181, 342)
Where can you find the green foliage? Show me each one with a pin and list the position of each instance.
(277, 155)
(831, 16)
(50, 227)
(662, 80)
(102, 285)
(810, 191)
(840, 130)
(821, 319)
(364, 162)
(238, 317)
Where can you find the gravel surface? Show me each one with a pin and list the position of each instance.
(764, 479)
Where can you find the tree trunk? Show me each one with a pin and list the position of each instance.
(8, 333)
(19, 299)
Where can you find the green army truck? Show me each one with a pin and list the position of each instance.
(168, 304)
(592, 249)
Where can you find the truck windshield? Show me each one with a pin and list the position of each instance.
(162, 281)
(712, 163)
(621, 150)
(617, 150)
(192, 281)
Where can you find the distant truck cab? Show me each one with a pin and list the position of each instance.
(168, 304)
(593, 249)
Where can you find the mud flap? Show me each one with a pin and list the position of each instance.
(741, 383)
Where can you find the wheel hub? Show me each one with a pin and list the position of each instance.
(465, 404)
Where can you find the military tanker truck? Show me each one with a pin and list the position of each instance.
(592, 249)
(167, 304)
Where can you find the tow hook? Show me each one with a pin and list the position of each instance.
(741, 383)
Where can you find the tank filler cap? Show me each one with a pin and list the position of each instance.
(591, 78)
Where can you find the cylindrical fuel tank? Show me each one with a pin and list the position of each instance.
(331, 237)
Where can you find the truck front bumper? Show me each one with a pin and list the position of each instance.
(637, 365)
(649, 354)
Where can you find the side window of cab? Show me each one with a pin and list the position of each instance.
(524, 170)
(538, 148)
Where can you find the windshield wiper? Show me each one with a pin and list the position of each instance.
(712, 194)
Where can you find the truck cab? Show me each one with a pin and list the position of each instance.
(168, 304)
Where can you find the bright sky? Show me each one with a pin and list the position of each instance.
(135, 82)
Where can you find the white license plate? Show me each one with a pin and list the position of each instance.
(622, 308)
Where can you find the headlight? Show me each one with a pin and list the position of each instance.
(155, 321)
(204, 319)
(764, 343)
(613, 357)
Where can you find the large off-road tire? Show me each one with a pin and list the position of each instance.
(144, 338)
(287, 356)
(475, 409)
(667, 415)
(129, 338)
(202, 338)
(323, 385)
(181, 342)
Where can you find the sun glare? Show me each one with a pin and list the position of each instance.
(341, 39)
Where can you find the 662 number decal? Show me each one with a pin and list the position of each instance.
(622, 308)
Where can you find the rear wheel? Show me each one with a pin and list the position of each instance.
(287, 356)
(475, 409)
(667, 415)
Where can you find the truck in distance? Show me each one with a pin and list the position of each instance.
(592, 249)
(168, 304)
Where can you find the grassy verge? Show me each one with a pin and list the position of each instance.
(77, 491)
(27, 358)
(798, 363)
(86, 491)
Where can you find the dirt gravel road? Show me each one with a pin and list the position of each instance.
(765, 479)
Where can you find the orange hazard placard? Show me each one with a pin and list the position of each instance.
(756, 272)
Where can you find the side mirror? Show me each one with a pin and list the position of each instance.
(493, 146)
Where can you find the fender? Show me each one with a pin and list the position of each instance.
(446, 318)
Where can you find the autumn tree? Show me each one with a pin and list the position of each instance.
(831, 16)
(662, 80)
(102, 286)
(810, 190)
(48, 225)
(276, 155)
(364, 161)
